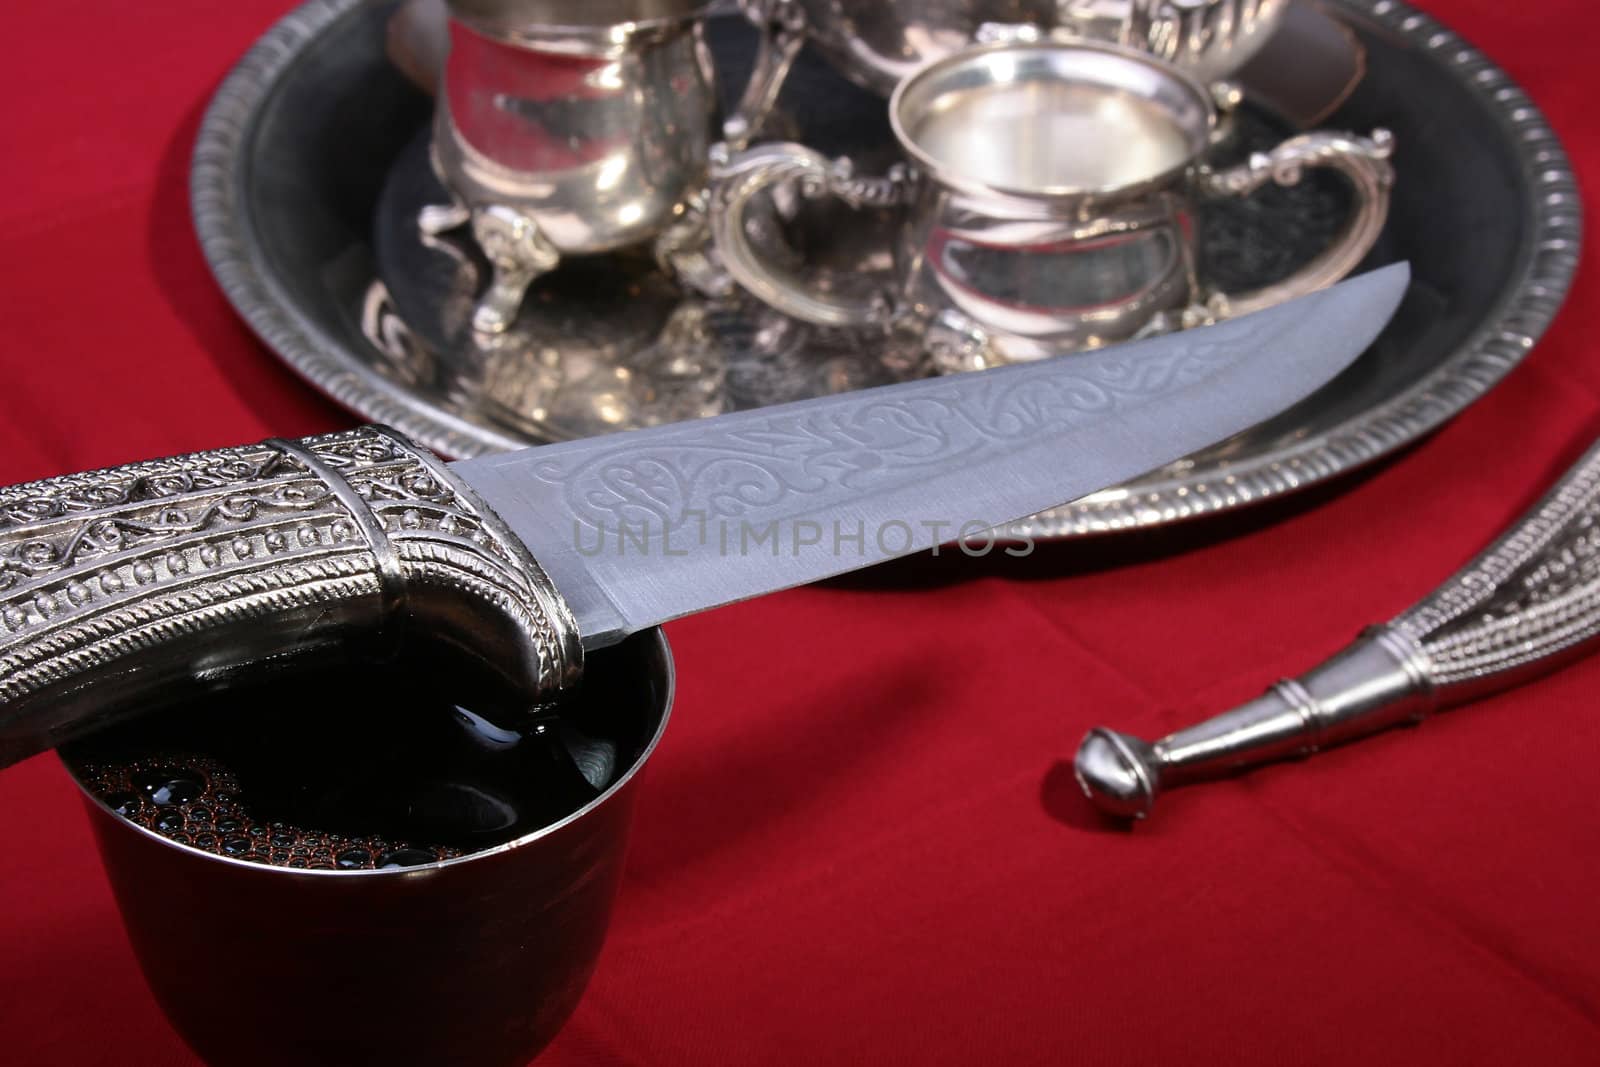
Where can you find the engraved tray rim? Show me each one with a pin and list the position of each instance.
(1524, 309)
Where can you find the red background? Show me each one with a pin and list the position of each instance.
(860, 841)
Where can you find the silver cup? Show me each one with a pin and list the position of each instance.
(1046, 206)
(574, 127)
(473, 961)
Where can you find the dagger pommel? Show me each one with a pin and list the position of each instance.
(1528, 604)
(1379, 681)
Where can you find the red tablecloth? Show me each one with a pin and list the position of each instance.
(860, 841)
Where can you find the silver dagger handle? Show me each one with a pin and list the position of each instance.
(117, 583)
(1528, 604)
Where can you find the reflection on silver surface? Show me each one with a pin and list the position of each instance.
(1053, 120)
(878, 43)
(581, 135)
(1528, 604)
(512, 18)
(603, 343)
(316, 105)
(1048, 135)
(1047, 206)
(548, 152)
(1209, 39)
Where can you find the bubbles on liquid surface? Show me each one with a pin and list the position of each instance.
(389, 773)
(186, 791)
(124, 804)
(167, 786)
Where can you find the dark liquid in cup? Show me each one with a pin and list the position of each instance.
(364, 768)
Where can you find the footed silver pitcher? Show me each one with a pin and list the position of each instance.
(567, 128)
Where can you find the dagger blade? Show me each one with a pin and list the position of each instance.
(646, 526)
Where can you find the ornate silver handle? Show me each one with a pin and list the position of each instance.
(1528, 604)
(741, 179)
(117, 583)
(1363, 160)
(783, 33)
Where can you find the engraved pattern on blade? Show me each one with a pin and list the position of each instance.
(230, 234)
(645, 527)
(1533, 594)
(770, 465)
(136, 574)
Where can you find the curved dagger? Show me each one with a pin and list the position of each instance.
(118, 583)
(1528, 604)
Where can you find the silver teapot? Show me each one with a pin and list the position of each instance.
(878, 43)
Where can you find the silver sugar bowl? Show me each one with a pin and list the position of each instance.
(1046, 206)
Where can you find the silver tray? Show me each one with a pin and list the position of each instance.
(311, 157)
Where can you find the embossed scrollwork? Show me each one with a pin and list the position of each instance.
(760, 459)
(1364, 162)
(741, 180)
(1527, 604)
(1531, 596)
(116, 583)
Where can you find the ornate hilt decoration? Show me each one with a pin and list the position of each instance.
(119, 583)
(1528, 604)
(741, 179)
